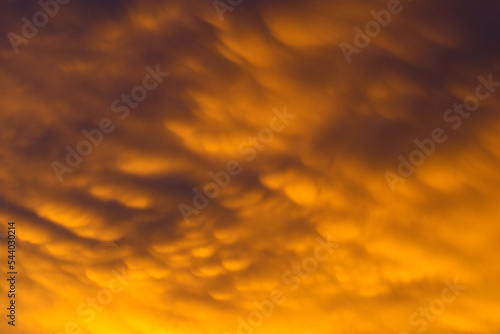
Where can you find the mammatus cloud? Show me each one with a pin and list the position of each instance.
(323, 176)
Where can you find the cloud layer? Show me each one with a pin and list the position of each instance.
(321, 176)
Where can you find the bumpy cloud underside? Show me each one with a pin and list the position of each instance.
(323, 175)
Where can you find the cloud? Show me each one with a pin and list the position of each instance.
(323, 175)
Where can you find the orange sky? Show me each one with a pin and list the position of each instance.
(304, 233)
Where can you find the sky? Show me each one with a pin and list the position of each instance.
(250, 166)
